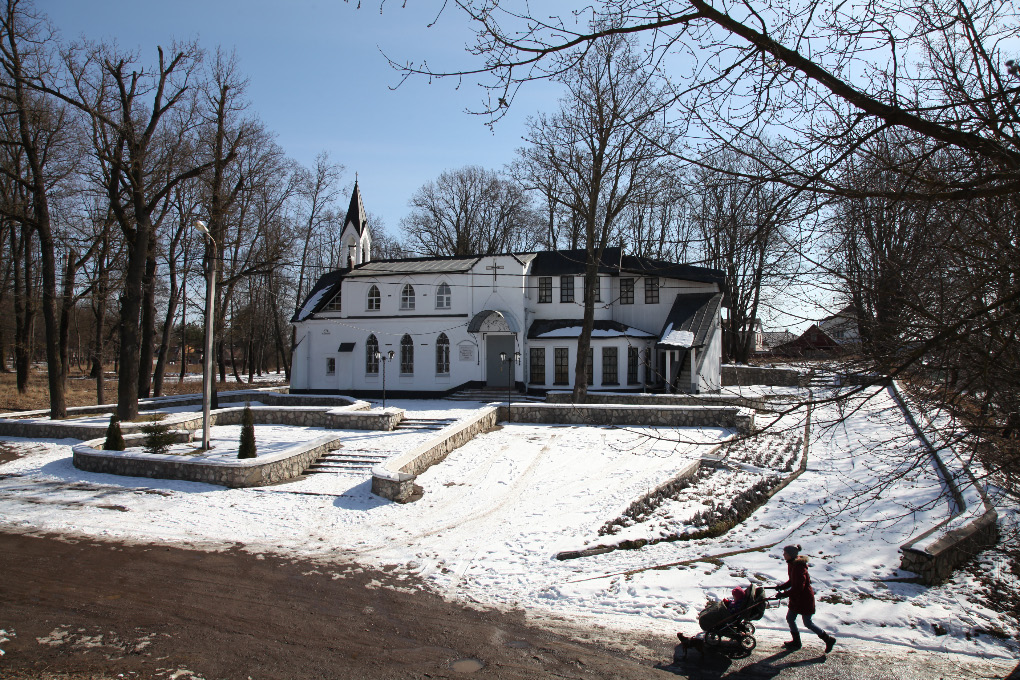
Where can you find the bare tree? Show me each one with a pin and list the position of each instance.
(141, 120)
(741, 228)
(602, 145)
(39, 135)
(469, 211)
(318, 189)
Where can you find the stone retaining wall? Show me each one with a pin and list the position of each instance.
(934, 554)
(741, 419)
(744, 376)
(307, 416)
(270, 396)
(394, 479)
(236, 473)
(642, 399)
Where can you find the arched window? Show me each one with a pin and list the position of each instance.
(442, 353)
(371, 347)
(374, 299)
(443, 296)
(406, 355)
(407, 296)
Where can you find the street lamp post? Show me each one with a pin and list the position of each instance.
(380, 358)
(207, 369)
(510, 361)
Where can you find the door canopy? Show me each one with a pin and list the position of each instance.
(491, 321)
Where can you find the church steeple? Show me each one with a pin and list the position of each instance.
(356, 211)
(356, 236)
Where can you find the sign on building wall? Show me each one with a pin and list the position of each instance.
(467, 352)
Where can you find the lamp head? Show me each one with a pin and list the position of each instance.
(502, 356)
(377, 356)
(202, 227)
(389, 355)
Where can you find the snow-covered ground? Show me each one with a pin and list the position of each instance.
(497, 511)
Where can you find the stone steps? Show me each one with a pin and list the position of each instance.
(346, 461)
(425, 423)
(491, 395)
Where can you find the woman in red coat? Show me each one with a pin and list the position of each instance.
(802, 598)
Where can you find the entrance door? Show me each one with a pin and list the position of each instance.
(498, 373)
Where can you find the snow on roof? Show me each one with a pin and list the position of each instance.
(310, 304)
(575, 331)
(677, 338)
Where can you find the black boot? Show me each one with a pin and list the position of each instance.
(829, 642)
(793, 645)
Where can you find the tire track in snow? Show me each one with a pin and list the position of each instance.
(470, 482)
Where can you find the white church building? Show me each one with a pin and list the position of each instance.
(436, 325)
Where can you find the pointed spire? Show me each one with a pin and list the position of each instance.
(356, 211)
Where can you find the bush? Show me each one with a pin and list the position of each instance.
(158, 437)
(114, 437)
(247, 447)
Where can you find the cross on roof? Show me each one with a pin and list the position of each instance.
(494, 267)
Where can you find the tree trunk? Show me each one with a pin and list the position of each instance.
(66, 305)
(148, 327)
(24, 309)
(130, 311)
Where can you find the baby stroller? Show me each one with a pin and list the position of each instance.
(719, 623)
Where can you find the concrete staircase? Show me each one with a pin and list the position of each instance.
(424, 423)
(348, 461)
(490, 394)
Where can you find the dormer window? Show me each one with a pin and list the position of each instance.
(407, 297)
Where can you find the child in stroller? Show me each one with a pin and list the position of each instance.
(731, 619)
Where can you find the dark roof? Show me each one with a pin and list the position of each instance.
(812, 341)
(325, 289)
(356, 211)
(415, 265)
(614, 262)
(693, 312)
(773, 338)
(541, 326)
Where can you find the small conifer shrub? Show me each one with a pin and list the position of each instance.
(247, 447)
(114, 437)
(158, 437)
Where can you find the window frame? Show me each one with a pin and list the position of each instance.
(376, 299)
(442, 354)
(335, 303)
(442, 295)
(633, 360)
(627, 291)
(589, 366)
(561, 358)
(567, 288)
(544, 290)
(611, 359)
(651, 290)
(536, 365)
(371, 347)
(407, 298)
(330, 365)
(406, 355)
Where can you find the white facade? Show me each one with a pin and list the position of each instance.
(447, 320)
(440, 324)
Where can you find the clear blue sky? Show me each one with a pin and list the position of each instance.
(318, 80)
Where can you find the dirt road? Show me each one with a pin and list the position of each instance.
(96, 611)
(101, 610)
